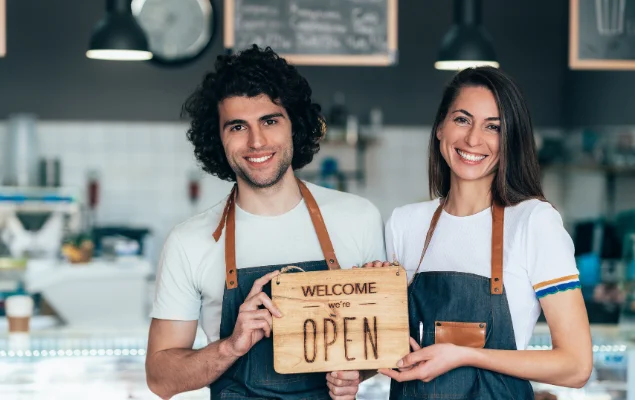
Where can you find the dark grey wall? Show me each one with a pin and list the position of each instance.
(46, 71)
(600, 98)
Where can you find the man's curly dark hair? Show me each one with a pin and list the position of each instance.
(251, 73)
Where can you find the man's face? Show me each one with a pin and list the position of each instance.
(256, 135)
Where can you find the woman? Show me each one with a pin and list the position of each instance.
(485, 257)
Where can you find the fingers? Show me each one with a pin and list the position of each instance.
(261, 324)
(260, 299)
(413, 358)
(404, 376)
(250, 325)
(368, 265)
(376, 264)
(344, 378)
(252, 320)
(343, 384)
(415, 346)
(342, 392)
(407, 368)
(261, 282)
(255, 315)
(345, 375)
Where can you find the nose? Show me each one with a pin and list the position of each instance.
(257, 138)
(473, 137)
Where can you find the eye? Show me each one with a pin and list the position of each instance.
(494, 127)
(236, 128)
(461, 120)
(270, 122)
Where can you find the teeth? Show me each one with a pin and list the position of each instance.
(470, 157)
(260, 159)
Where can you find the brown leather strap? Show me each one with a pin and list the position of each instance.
(320, 227)
(498, 225)
(223, 219)
(228, 220)
(433, 226)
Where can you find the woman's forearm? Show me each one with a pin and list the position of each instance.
(556, 367)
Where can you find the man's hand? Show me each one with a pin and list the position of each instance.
(343, 385)
(253, 323)
(376, 264)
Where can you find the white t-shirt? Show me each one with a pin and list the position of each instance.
(538, 253)
(191, 273)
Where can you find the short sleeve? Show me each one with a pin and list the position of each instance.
(176, 296)
(374, 237)
(550, 257)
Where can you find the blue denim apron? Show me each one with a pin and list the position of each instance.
(252, 376)
(438, 299)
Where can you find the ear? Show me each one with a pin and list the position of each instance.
(439, 134)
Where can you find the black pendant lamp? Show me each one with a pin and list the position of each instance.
(118, 36)
(466, 44)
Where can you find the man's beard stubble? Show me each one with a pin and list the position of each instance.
(283, 166)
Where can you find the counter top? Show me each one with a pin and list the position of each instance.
(65, 363)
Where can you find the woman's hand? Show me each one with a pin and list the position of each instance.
(376, 264)
(427, 363)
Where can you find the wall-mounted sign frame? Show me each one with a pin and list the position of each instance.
(602, 34)
(316, 32)
(3, 28)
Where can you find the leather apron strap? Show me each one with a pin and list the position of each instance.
(228, 220)
(498, 224)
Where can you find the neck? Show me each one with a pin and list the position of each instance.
(469, 197)
(275, 200)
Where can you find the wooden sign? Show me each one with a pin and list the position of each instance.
(352, 319)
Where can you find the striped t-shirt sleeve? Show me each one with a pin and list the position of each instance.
(557, 285)
(550, 253)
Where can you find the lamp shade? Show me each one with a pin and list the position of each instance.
(118, 36)
(466, 44)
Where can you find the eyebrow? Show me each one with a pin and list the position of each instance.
(242, 121)
(471, 116)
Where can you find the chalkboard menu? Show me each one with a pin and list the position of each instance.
(602, 34)
(316, 32)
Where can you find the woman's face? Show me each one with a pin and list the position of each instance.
(470, 135)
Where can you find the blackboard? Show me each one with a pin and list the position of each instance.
(316, 32)
(602, 34)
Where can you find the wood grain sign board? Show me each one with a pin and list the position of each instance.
(340, 320)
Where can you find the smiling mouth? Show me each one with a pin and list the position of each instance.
(259, 160)
(470, 156)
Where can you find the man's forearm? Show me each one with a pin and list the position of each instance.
(174, 371)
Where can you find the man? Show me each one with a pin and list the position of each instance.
(253, 122)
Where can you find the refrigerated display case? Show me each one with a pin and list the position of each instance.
(79, 364)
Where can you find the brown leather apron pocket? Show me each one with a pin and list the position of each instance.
(468, 334)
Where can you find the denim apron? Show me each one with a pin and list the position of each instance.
(440, 300)
(252, 376)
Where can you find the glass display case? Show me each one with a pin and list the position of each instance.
(74, 364)
(613, 376)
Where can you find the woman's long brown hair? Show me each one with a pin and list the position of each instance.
(518, 173)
